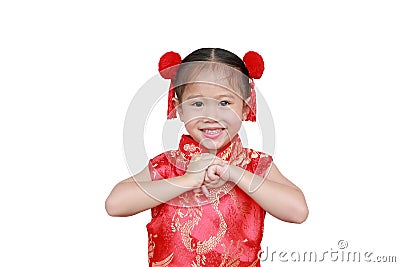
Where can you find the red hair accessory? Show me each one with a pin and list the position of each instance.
(167, 66)
(255, 65)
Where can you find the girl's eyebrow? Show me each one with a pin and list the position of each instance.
(225, 95)
(218, 96)
(194, 96)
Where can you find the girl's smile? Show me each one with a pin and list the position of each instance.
(212, 114)
(212, 133)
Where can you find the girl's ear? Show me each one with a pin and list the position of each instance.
(246, 108)
(178, 108)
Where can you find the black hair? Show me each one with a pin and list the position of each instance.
(217, 55)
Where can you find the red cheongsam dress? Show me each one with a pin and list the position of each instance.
(223, 229)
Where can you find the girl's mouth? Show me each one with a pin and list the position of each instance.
(212, 133)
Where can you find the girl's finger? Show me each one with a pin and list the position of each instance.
(212, 173)
(222, 172)
(197, 190)
(205, 190)
(207, 179)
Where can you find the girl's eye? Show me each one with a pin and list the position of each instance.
(197, 104)
(224, 103)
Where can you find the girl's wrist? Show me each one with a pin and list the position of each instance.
(189, 181)
(229, 171)
(235, 173)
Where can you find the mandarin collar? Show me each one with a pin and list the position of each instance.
(188, 146)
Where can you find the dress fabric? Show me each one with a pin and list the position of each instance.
(222, 230)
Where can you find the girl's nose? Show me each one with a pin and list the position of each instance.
(209, 118)
(211, 113)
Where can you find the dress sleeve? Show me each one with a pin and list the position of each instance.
(261, 163)
(159, 167)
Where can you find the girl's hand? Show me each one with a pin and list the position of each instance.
(216, 175)
(197, 168)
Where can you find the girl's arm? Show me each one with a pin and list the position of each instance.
(139, 193)
(275, 194)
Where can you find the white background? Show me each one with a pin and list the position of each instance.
(69, 69)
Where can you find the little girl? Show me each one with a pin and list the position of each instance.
(208, 198)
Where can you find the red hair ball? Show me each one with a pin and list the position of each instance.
(254, 63)
(168, 64)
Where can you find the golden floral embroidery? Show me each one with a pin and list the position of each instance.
(232, 254)
(243, 207)
(151, 246)
(178, 159)
(254, 154)
(241, 160)
(191, 148)
(164, 262)
(193, 216)
(226, 153)
(254, 263)
(200, 261)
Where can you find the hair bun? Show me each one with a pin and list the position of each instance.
(168, 64)
(254, 63)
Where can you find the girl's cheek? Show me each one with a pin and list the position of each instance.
(231, 117)
(190, 115)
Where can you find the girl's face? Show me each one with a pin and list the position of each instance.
(212, 114)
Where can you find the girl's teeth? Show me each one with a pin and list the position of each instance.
(212, 131)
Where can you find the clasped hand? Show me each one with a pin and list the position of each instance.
(207, 171)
